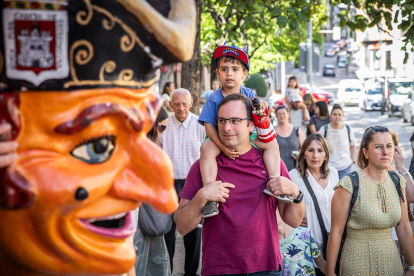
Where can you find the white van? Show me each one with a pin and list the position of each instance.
(398, 90)
(351, 91)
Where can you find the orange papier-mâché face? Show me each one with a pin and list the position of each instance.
(86, 164)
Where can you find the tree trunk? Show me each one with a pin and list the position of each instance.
(191, 70)
(213, 73)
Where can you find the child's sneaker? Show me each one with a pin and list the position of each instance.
(284, 198)
(210, 209)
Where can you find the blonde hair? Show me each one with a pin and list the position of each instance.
(302, 165)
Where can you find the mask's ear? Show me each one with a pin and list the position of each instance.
(225, 43)
(246, 48)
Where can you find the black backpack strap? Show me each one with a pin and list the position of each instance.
(396, 179)
(326, 130)
(317, 209)
(355, 190)
(348, 128)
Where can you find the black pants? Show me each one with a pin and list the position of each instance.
(318, 272)
(192, 242)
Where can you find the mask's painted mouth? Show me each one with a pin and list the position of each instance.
(115, 226)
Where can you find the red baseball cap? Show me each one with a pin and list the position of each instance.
(232, 51)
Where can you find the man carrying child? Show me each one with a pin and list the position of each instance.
(243, 237)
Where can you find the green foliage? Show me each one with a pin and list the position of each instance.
(377, 10)
(257, 83)
(273, 29)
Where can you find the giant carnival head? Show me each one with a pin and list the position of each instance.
(77, 84)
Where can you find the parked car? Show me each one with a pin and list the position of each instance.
(373, 97)
(319, 94)
(342, 63)
(341, 43)
(407, 110)
(331, 52)
(398, 90)
(329, 70)
(341, 56)
(351, 91)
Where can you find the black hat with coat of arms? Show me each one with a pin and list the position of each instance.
(64, 45)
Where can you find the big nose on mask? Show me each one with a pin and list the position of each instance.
(147, 178)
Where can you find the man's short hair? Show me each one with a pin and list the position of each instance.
(180, 90)
(232, 60)
(238, 97)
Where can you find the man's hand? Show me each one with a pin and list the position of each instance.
(399, 159)
(281, 185)
(217, 191)
(230, 153)
(7, 155)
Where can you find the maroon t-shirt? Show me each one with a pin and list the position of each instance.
(243, 237)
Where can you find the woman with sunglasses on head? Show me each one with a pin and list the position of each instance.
(341, 141)
(289, 137)
(152, 254)
(379, 203)
(159, 126)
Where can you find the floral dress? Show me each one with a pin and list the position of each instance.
(369, 248)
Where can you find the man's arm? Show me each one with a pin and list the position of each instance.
(293, 213)
(305, 113)
(353, 153)
(189, 213)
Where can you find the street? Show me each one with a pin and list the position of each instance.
(356, 118)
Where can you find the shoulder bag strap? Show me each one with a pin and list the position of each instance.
(326, 130)
(315, 202)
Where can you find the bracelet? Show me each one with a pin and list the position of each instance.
(411, 268)
(405, 173)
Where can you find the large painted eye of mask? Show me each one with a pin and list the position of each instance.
(95, 150)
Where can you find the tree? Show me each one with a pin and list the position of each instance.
(257, 83)
(375, 11)
(273, 29)
(191, 70)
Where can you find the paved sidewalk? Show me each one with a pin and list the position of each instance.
(179, 257)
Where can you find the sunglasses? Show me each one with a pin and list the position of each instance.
(161, 128)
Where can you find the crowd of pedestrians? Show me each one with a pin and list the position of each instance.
(273, 201)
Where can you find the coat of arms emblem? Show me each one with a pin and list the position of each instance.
(36, 43)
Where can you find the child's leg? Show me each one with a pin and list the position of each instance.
(271, 159)
(271, 156)
(208, 171)
(208, 164)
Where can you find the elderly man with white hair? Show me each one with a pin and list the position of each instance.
(182, 140)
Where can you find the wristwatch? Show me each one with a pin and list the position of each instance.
(299, 199)
(404, 173)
